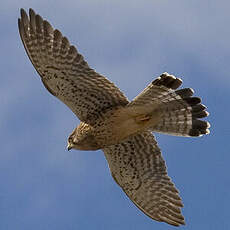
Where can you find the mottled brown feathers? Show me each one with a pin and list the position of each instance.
(138, 167)
(108, 121)
(63, 70)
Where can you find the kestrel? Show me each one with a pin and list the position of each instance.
(122, 129)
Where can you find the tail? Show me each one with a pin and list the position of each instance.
(177, 111)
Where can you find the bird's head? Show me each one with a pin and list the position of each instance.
(82, 138)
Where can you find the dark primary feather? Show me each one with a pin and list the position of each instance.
(168, 81)
(64, 72)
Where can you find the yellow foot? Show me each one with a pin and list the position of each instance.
(142, 118)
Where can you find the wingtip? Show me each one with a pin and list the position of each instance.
(19, 24)
(174, 222)
(23, 13)
(19, 21)
(31, 12)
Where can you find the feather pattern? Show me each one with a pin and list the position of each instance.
(110, 122)
(64, 72)
(137, 166)
(178, 111)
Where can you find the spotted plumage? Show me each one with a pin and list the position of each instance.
(122, 129)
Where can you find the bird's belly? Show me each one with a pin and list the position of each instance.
(119, 125)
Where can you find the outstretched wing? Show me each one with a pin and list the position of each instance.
(64, 72)
(137, 166)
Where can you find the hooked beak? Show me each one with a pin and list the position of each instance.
(69, 147)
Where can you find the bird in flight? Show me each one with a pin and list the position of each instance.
(109, 121)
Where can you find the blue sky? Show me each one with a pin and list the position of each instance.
(131, 42)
